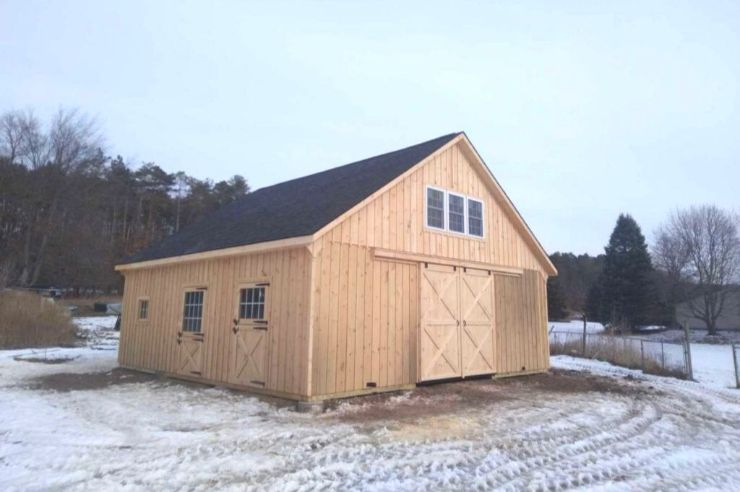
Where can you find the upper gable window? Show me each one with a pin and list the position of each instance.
(454, 212)
(475, 217)
(435, 208)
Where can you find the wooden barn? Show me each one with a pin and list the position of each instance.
(406, 267)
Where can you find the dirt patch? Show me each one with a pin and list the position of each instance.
(565, 381)
(454, 397)
(90, 381)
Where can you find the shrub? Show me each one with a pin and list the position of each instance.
(29, 320)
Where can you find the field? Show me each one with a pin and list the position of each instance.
(70, 420)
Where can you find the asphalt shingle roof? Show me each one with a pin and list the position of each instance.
(294, 208)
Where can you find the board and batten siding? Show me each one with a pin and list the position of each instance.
(395, 219)
(365, 319)
(152, 344)
(521, 342)
(365, 310)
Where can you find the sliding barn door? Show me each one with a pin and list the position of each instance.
(476, 336)
(440, 323)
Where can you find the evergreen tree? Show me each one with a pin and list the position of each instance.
(556, 309)
(594, 309)
(625, 295)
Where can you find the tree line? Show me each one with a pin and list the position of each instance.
(69, 212)
(695, 260)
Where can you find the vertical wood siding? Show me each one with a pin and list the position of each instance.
(521, 342)
(395, 220)
(340, 317)
(152, 344)
(365, 317)
(365, 312)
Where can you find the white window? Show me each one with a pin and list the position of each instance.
(252, 303)
(475, 217)
(435, 208)
(192, 317)
(454, 212)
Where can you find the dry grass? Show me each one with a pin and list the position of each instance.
(29, 320)
(86, 305)
(620, 351)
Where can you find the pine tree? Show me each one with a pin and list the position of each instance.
(556, 309)
(627, 293)
(594, 308)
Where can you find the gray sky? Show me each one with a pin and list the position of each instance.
(582, 111)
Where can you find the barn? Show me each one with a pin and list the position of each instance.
(407, 267)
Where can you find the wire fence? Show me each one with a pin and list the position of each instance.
(650, 356)
(736, 360)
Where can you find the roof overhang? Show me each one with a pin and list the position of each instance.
(293, 242)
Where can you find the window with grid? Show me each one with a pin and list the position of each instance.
(192, 318)
(252, 303)
(143, 309)
(475, 217)
(456, 212)
(435, 208)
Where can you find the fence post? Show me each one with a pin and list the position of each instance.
(737, 369)
(687, 350)
(583, 351)
(642, 356)
(662, 355)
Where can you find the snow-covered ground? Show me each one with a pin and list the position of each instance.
(60, 428)
(575, 326)
(713, 365)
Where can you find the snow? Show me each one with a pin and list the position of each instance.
(713, 365)
(575, 326)
(151, 434)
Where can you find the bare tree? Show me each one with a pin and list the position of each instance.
(11, 134)
(74, 139)
(71, 142)
(701, 245)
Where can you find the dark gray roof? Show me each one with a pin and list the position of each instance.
(291, 209)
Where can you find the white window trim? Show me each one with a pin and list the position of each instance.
(482, 217)
(446, 214)
(204, 290)
(444, 208)
(465, 212)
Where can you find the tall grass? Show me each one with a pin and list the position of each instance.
(29, 320)
(621, 351)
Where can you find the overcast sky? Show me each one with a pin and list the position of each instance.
(582, 110)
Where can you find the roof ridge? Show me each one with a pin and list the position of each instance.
(384, 154)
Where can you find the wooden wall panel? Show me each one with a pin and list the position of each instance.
(398, 215)
(365, 311)
(152, 344)
(365, 328)
(521, 323)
